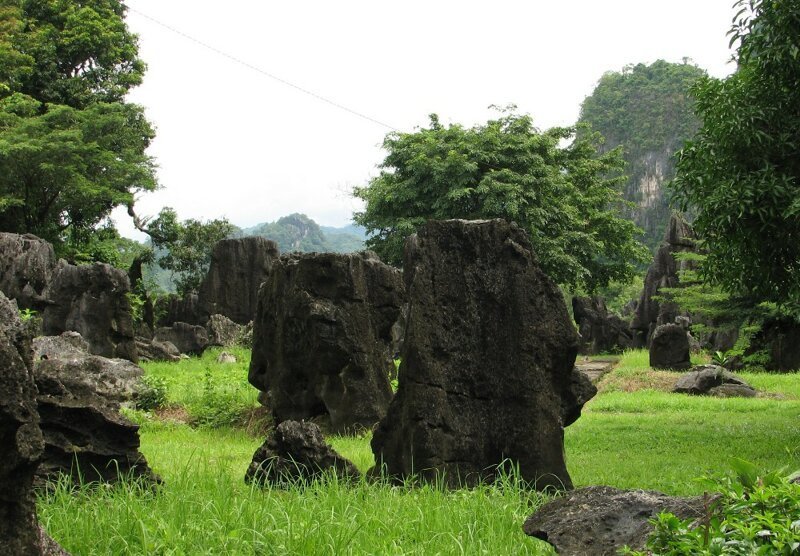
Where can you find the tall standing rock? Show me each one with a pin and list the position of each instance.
(238, 268)
(487, 363)
(27, 264)
(663, 273)
(92, 300)
(322, 336)
(21, 442)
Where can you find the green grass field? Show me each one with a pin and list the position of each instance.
(632, 435)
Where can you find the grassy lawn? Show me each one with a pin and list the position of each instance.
(632, 435)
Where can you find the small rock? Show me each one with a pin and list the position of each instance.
(226, 357)
(713, 380)
(296, 451)
(188, 338)
(669, 348)
(600, 520)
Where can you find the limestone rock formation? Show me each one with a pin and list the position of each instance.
(238, 268)
(322, 335)
(92, 300)
(487, 362)
(669, 348)
(781, 339)
(21, 441)
(295, 451)
(27, 264)
(222, 331)
(600, 520)
(713, 380)
(155, 350)
(186, 337)
(79, 397)
(172, 308)
(600, 331)
(63, 360)
(663, 273)
(20, 437)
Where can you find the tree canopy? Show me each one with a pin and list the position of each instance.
(71, 149)
(185, 248)
(741, 172)
(646, 109)
(556, 186)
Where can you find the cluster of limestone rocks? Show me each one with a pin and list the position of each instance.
(487, 378)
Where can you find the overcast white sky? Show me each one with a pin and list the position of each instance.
(232, 142)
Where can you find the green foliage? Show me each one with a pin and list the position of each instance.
(152, 394)
(185, 247)
(757, 513)
(26, 315)
(560, 193)
(63, 171)
(204, 507)
(213, 394)
(648, 111)
(741, 171)
(73, 53)
(71, 149)
(720, 358)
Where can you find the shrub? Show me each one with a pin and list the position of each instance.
(755, 514)
(152, 393)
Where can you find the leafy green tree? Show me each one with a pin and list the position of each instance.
(71, 149)
(184, 248)
(565, 195)
(647, 110)
(741, 172)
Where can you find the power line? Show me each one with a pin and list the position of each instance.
(263, 72)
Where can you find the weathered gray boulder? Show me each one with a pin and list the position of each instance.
(669, 348)
(27, 264)
(600, 331)
(92, 300)
(188, 338)
(21, 441)
(85, 435)
(600, 520)
(322, 335)
(238, 268)
(663, 273)
(295, 451)
(172, 308)
(67, 345)
(225, 358)
(713, 380)
(155, 350)
(222, 331)
(74, 370)
(487, 362)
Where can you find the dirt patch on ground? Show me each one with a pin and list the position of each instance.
(640, 380)
(172, 414)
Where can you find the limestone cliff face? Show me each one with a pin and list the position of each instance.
(649, 173)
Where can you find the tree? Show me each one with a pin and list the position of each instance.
(648, 111)
(71, 149)
(185, 247)
(741, 172)
(563, 195)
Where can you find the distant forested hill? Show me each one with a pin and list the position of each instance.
(647, 110)
(298, 232)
